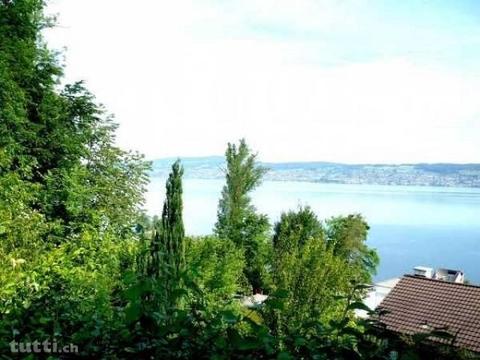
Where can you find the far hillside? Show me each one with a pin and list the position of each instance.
(441, 174)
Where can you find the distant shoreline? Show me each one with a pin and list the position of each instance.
(438, 175)
(186, 177)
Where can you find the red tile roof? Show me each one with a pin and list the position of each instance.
(417, 305)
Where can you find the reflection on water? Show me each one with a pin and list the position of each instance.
(410, 225)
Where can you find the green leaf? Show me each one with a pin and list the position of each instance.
(300, 341)
(363, 286)
(230, 317)
(134, 292)
(132, 312)
(129, 277)
(275, 304)
(284, 356)
(179, 293)
(280, 294)
(358, 305)
(247, 344)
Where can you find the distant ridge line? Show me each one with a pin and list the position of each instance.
(319, 162)
(421, 174)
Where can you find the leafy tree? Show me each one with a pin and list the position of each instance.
(217, 266)
(295, 228)
(346, 237)
(237, 217)
(69, 197)
(20, 223)
(57, 147)
(307, 270)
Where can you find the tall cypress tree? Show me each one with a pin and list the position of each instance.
(173, 231)
(166, 258)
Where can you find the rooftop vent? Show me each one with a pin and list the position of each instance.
(423, 272)
(455, 276)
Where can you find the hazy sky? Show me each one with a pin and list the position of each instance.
(351, 81)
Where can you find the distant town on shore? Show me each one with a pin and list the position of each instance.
(439, 174)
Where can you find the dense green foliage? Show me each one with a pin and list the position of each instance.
(171, 233)
(162, 258)
(172, 230)
(69, 198)
(81, 264)
(238, 220)
(309, 269)
(217, 266)
(346, 237)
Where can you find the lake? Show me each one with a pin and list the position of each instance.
(410, 225)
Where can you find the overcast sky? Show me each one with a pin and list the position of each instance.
(349, 81)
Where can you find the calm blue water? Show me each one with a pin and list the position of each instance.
(430, 226)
